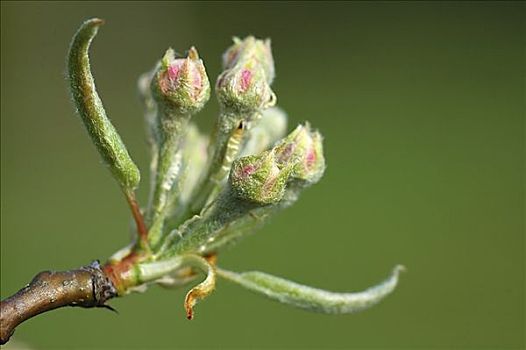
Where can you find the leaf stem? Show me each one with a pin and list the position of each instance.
(142, 231)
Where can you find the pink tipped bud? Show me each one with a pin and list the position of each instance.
(259, 179)
(304, 148)
(181, 84)
(245, 88)
(251, 49)
(312, 167)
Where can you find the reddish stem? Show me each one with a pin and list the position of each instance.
(120, 273)
(138, 217)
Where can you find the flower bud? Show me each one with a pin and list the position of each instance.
(294, 146)
(312, 166)
(304, 148)
(251, 48)
(244, 88)
(181, 84)
(258, 178)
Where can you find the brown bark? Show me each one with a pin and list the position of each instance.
(86, 287)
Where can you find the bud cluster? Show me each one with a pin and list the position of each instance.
(243, 91)
(263, 178)
(204, 195)
(201, 187)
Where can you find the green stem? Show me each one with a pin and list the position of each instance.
(168, 169)
(196, 234)
(227, 138)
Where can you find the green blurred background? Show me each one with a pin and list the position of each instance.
(422, 106)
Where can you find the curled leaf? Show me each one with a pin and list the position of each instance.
(203, 289)
(178, 267)
(309, 298)
(91, 110)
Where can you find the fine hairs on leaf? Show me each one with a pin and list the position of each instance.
(206, 192)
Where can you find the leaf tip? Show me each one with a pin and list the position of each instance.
(95, 21)
(398, 269)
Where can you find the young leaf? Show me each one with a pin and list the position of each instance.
(203, 289)
(91, 110)
(158, 270)
(309, 298)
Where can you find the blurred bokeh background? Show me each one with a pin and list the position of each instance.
(422, 105)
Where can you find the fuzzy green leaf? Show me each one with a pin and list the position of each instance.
(309, 298)
(91, 110)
